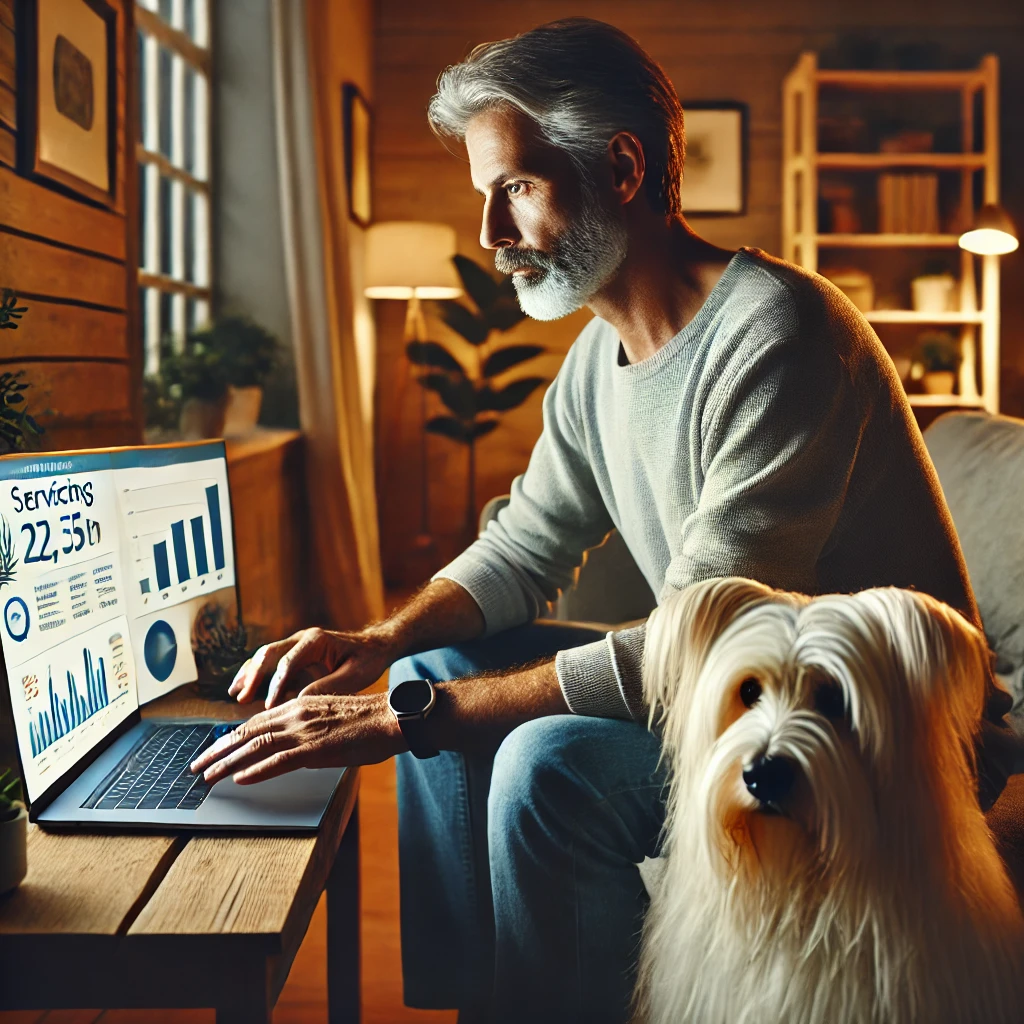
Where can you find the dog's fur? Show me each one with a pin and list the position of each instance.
(877, 895)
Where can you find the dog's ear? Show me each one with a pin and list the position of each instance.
(944, 658)
(680, 633)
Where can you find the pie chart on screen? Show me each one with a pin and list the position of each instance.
(160, 650)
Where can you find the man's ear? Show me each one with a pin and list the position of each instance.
(629, 165)
(680, 633)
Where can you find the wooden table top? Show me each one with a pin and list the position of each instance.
(186, 898)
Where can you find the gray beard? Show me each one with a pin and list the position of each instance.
(581, 262)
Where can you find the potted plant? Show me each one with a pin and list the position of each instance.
(472, 396)
(249, 355)
(13, 832)
(936, 361)
(17, 425)
(195, 379)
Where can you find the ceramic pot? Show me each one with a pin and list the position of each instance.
(201, 418)
(934, 293)
(243, 410)
(13, 851)
(939, 382)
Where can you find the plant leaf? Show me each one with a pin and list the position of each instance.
(464, 322)
(447, 426)
(480, 286)
(483, 427)
(431, 353)
(458, 394)
(512, 395)
(511, 355)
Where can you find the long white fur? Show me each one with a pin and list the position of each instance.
(879, 898)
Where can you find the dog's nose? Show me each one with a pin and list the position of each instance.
(769, 779)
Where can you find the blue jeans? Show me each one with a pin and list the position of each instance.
(520, 895)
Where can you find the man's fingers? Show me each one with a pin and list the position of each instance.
(306, 651)
(255, 671)
(270, 767)
(260, 747)
(230, 740)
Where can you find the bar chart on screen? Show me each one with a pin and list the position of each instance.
(177, 540)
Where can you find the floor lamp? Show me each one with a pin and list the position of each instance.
(412, 260)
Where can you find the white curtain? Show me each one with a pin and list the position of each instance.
(331, 373)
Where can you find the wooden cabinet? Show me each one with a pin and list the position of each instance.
(807, 242)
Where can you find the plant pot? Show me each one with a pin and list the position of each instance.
(202, 418)
(933, 293)
(938, 382)
(243, 410)
(13, 851)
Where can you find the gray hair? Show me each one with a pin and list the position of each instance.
(580, 81)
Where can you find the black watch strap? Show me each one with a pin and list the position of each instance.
(414, 731)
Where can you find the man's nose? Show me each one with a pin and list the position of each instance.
(497, 229)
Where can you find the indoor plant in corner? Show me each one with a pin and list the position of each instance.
(13, 832)
(936, 359)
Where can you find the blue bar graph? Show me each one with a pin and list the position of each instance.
(216, 529)
(180, 552)
(67, 713)
(199, 543)
(144, 586)
(163, 570)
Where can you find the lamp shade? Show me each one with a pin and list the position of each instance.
(992, 233)
(407, 258)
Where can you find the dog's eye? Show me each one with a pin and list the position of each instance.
(829, 700)
(750, 692)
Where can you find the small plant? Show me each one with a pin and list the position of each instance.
(247, 351)
(17, 425)
(10, 795)
(221, 646)
(937, 352)
(472, 398)
(8, 558)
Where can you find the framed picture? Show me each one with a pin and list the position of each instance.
(357, 126)
(715, 168)
(68, 94)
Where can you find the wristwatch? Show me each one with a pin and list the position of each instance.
(411, 701)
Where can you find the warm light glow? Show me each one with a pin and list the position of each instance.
(410, 258)
(988, 242)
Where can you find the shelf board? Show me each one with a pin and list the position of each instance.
(943, 400)
(900, 79)
(912, 316)
(878, 161)
(877, 240)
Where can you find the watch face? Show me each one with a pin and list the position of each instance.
(411, 697)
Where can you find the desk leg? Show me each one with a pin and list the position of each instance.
(343, 929)
(247, 1001)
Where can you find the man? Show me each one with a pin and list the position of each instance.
(728, 413)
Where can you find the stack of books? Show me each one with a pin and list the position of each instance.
(908, 204)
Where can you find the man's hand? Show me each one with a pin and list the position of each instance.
(315, 661)
(308, 732)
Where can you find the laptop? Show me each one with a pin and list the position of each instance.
(116, 566)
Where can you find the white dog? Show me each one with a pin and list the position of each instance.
(827, 861)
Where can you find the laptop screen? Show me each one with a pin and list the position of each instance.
(109, 563)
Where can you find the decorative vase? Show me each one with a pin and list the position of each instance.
(243, 410)
(202, 418)
(938, 382)
(13, 851)
(933, 293)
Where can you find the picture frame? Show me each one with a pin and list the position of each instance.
(715, 168)
(357, 121)
(67, 95)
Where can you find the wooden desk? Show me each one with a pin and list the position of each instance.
(131, 920)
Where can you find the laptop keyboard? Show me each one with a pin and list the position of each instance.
(155, 774)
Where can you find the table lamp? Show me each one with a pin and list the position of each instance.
(412, 260)
(991, 234)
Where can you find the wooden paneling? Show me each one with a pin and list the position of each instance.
(7, 147)
(36, 210)
(37, 268)
(8, 115)
(67, 332)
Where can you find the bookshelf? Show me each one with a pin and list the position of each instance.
(803, 239)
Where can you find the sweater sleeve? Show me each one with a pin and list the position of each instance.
(531, 551)
(779, 434)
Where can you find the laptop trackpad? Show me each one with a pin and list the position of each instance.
(297, 800)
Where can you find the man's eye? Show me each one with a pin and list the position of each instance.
(515, 188)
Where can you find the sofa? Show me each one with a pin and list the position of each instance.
(980, 462)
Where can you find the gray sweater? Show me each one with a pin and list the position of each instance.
(770, 438)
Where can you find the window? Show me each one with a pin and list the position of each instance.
(173, 62)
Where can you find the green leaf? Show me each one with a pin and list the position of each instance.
(459, 394)
(430, 353)
(513, 395)
(447, 426)
(480, 286)
(511, 355)
(482, 428)
(504, 315)
(464, 322)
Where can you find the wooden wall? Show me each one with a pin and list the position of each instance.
(74, 265)
(713, 51)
